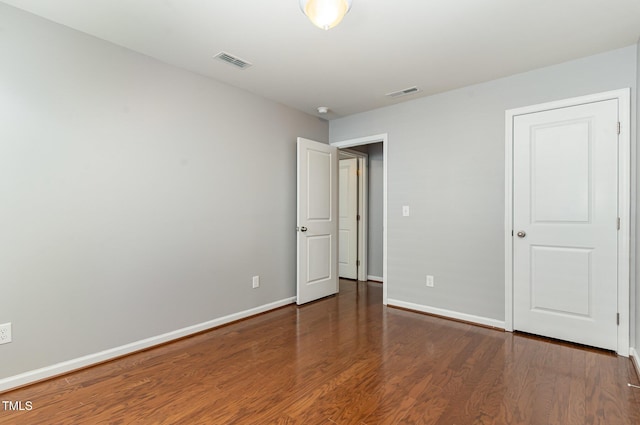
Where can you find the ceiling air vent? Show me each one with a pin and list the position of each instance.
(404, 92)
(233, 60)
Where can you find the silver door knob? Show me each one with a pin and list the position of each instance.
(303, 229)
(521, 234)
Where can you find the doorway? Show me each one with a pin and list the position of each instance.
(353, 208)
(317, 216)
(376, 217)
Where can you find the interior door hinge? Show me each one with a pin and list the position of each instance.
(618, 319)
(358, 217)
(618, 223)
(357, 262)
(618, 127)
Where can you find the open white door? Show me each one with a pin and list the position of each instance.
(348, 221)
(317, 221)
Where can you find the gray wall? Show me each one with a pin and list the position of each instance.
(135, 198)
(374, 243)
(446, 161)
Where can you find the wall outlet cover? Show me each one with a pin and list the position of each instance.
(5, 333)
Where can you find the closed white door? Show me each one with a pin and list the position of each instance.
(565, 189)
(317, 221)
(348, 222)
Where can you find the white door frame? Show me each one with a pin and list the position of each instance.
(624, 203)
(363, 207)
(383, 138)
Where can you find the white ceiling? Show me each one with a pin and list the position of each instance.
(381, 46)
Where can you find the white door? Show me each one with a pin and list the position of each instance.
(565, 200)
(317, 221)
(348, 222)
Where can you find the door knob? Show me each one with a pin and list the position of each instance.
(521, 234)
(303, 229)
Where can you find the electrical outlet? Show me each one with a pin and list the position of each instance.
(256, 281)
(5, 333)
(430, 281)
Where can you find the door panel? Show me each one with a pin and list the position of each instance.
(572, 267)
(317, 221)
(319, 258)
(561, 192)
(565, 208)
(348, 225)
(319, 167)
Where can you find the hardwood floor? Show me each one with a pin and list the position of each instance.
(344, 360)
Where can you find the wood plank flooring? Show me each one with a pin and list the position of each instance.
(344, 360)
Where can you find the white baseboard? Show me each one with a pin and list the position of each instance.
(448, 313)
(375, 278)
(635, 358)
(91, 359)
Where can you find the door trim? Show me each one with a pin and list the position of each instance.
(624, 202)
(363, 207)
(383, 138)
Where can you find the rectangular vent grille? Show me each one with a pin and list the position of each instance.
(404, 92)
(233, 60)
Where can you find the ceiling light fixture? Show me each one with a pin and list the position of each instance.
(325, 14)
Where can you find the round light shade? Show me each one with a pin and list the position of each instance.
(325, 14)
